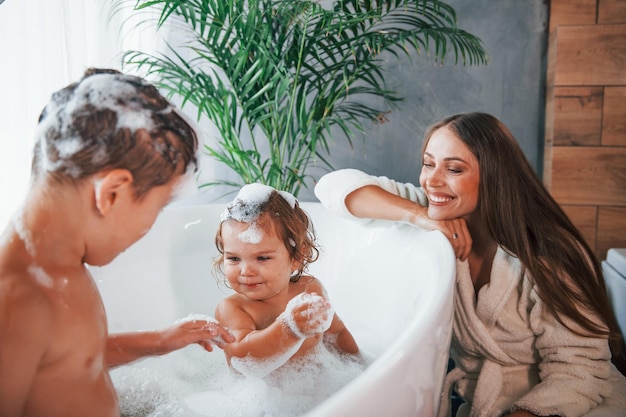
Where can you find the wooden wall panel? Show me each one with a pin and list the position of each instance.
(572, 12)
(577, 115)
(590, 55)
(614, 116)
(589, 175)
(611, 229)
(585, 94)
(611, 11)
(585, 218)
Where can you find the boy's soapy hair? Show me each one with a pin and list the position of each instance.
(109, 120)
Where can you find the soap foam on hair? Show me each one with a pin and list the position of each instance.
(246, 208)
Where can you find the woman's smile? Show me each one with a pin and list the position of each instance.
(450, 176)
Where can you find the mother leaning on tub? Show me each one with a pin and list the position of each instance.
(533, 329)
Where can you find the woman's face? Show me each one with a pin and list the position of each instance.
(450, 177)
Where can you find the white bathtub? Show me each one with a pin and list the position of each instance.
(392, 286)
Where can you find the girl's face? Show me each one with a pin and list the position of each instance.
(257, 268)
(450, 177)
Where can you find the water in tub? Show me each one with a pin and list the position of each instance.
(194, 383)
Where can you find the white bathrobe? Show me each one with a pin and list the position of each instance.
(510, 352)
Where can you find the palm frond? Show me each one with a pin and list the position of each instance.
(284, 73)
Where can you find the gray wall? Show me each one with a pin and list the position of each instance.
(511, 87)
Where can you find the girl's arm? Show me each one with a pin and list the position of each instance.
(259, 352)
(340, 337)
(250, 342)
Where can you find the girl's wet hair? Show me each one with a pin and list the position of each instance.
(290, 223)
(109, 120)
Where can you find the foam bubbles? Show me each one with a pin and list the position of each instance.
(314, 313)
(114, 92)
(259, 368)
(41, 276)
(196, 317)
(246, 207)
(193, 383)
(252, 234)
(186, 186)
(24, 233)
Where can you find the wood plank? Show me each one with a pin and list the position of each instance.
(611, 229)
(614, 116)
(590, 55)
(611, 11)
(589, 175)
(585, 218)
(572, 12)
(549, 138)
(577, 115)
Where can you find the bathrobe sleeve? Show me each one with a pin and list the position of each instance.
(333, 188)
(573, 369)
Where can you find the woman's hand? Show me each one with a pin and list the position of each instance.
(455, 230)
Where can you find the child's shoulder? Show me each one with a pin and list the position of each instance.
(311, 284)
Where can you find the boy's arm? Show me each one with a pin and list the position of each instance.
(123, 348)
(25, 333)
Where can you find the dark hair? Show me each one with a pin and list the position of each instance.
(292, 225)
(109, 120)
(524, 219)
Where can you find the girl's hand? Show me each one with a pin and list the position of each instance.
(307, 314)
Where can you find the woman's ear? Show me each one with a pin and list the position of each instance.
(111, 187)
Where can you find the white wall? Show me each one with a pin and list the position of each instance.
(45, 45)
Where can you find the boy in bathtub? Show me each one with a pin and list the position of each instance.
(110, 153)
(278, 313)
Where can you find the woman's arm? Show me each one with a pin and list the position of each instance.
(355, 194)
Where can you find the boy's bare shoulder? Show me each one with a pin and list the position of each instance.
(30, 304)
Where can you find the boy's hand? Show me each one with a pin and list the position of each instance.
(203, 330)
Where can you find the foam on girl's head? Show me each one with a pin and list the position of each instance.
(248, 206)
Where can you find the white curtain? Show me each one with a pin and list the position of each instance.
(45, 45)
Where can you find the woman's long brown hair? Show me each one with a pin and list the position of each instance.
(526, 221)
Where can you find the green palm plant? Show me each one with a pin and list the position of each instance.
(276, 77)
